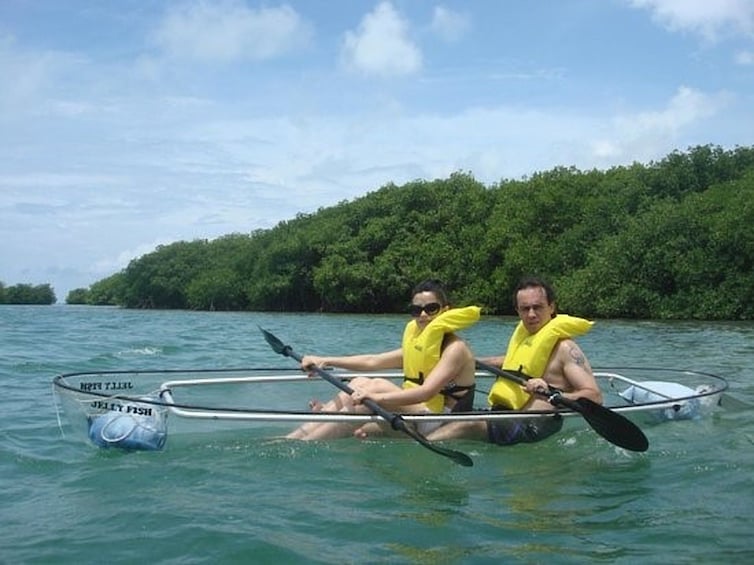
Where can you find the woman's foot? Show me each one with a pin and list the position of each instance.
(368, 430)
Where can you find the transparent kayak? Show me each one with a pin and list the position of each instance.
(137, 409)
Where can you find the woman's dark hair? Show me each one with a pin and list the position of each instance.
(435, 286)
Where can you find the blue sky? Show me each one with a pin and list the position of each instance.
(126, 125)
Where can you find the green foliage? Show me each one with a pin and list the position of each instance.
(106, 291)
(102, 293)
(77, 296)
(160, 279)
(672, 239)
(27, 294)
(220, 289)
(687, 259)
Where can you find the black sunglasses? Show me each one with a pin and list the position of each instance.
(431, 309)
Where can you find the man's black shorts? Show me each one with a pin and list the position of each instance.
(523, 430)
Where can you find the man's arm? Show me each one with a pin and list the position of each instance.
(577, 373)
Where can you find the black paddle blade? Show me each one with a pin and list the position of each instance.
(456, 456)
(614, 427)
(277, 345)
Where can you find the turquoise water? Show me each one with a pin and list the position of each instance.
(239, 498)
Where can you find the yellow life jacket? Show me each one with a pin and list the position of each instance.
(422, 349)
(530, 353)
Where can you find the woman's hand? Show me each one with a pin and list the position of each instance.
(358, 396)
(310, 362)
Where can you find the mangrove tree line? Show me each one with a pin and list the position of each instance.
(25, 293)
(668, 239)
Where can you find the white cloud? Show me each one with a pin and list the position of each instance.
(449, 25)
(687, 106)
(53, 181)
(108, 266)
(381, 46)
(646, 135)
(228, 30)
(29, 75)
(709, 18)
(745, 58)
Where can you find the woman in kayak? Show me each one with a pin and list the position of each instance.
(438, 369)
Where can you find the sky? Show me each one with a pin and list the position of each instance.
(131, 124)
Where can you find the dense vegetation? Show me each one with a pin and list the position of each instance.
(671, 239)
(27, 294)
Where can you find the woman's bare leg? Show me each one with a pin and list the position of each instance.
(330, 430)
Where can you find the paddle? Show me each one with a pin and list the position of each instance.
(395, 420)
(612, 426)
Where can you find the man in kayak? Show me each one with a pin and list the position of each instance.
(438, 369)
(542, 348)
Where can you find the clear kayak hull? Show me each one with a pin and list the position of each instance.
(138, 409)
